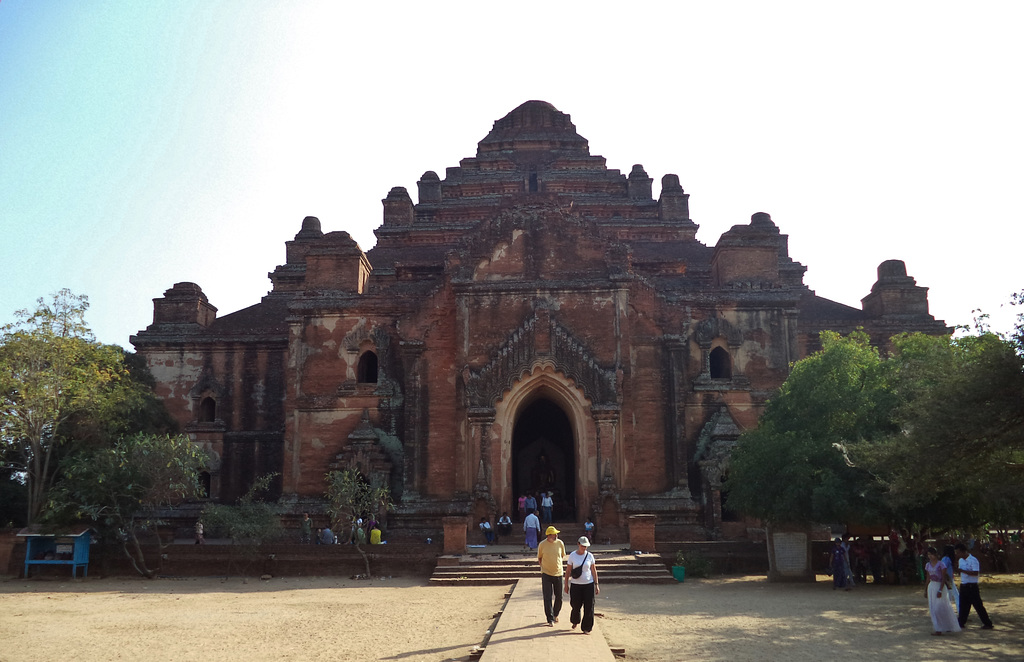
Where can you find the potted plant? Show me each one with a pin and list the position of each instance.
(697, 564)
(679, 567)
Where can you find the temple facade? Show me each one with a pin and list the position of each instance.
(535, 321)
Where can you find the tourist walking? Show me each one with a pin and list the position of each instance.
(551, 557)
(970, 596)
(937, 592)
(521, 505)
(531, 525)
(582, 586)
(199, 533)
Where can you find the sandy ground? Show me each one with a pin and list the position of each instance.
(747, 618)
(403, 619)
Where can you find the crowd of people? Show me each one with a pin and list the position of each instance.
(363, 530)
(902, 559)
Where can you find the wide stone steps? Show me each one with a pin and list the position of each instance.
(491, 570)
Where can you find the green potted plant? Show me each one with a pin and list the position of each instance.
(692, 563)
(679, 567)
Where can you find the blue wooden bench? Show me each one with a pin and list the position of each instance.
(57, 549)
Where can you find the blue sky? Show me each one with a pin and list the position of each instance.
(147, 143)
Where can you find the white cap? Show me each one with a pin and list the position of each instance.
(584, 541)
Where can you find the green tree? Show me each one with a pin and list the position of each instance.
(958, 459)
(50, 370)
(350, 496)
(119, 488)
(61, 390)
(794, 467)
(249, 523)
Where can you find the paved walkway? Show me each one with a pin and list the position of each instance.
(522, 634)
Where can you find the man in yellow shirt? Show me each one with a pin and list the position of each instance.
(551, 556)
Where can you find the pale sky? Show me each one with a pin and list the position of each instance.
(148, 143)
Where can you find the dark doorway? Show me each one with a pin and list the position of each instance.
(544, 458)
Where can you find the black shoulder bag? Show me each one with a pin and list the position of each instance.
(577, 571)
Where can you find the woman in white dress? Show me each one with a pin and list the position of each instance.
(943, 618)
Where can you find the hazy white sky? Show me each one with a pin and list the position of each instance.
(147, 143)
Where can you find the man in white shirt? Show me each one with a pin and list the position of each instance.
(546, 503)
(969, 593)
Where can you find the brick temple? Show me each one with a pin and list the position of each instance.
(534, 321)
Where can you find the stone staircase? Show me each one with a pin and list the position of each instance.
(494, 568)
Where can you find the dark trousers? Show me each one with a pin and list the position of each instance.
(582, 595)
(552, 592)
(970, 596)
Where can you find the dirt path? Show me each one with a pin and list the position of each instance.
(731, 619)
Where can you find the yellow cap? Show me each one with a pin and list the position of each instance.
(551, 530)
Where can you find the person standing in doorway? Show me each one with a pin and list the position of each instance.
(546, 504)
(532, 528)
(531, 503)
(551, 557)
(581, 585)
(970, 596)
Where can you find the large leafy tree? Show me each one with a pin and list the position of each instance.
(958, 459)
(118, 488)
(794, 467)
(50, 370)
(60, 390)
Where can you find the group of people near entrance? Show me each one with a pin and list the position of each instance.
(543, 505)
(575, 574)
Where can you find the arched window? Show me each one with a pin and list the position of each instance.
(204, 485)
(533, 182)
(207, 410)
(367, 372)
(721, 364)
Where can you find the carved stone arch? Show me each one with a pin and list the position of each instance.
(540, 339)
(708, 330)
(365, 453)
(545, 382)
(207, 387)
(715, 445)
(354, 338)
(718, 340)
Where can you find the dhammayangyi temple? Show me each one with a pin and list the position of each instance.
(533, 321)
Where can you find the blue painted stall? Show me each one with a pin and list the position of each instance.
(70, 548)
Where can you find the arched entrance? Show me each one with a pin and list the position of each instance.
(544, 457)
